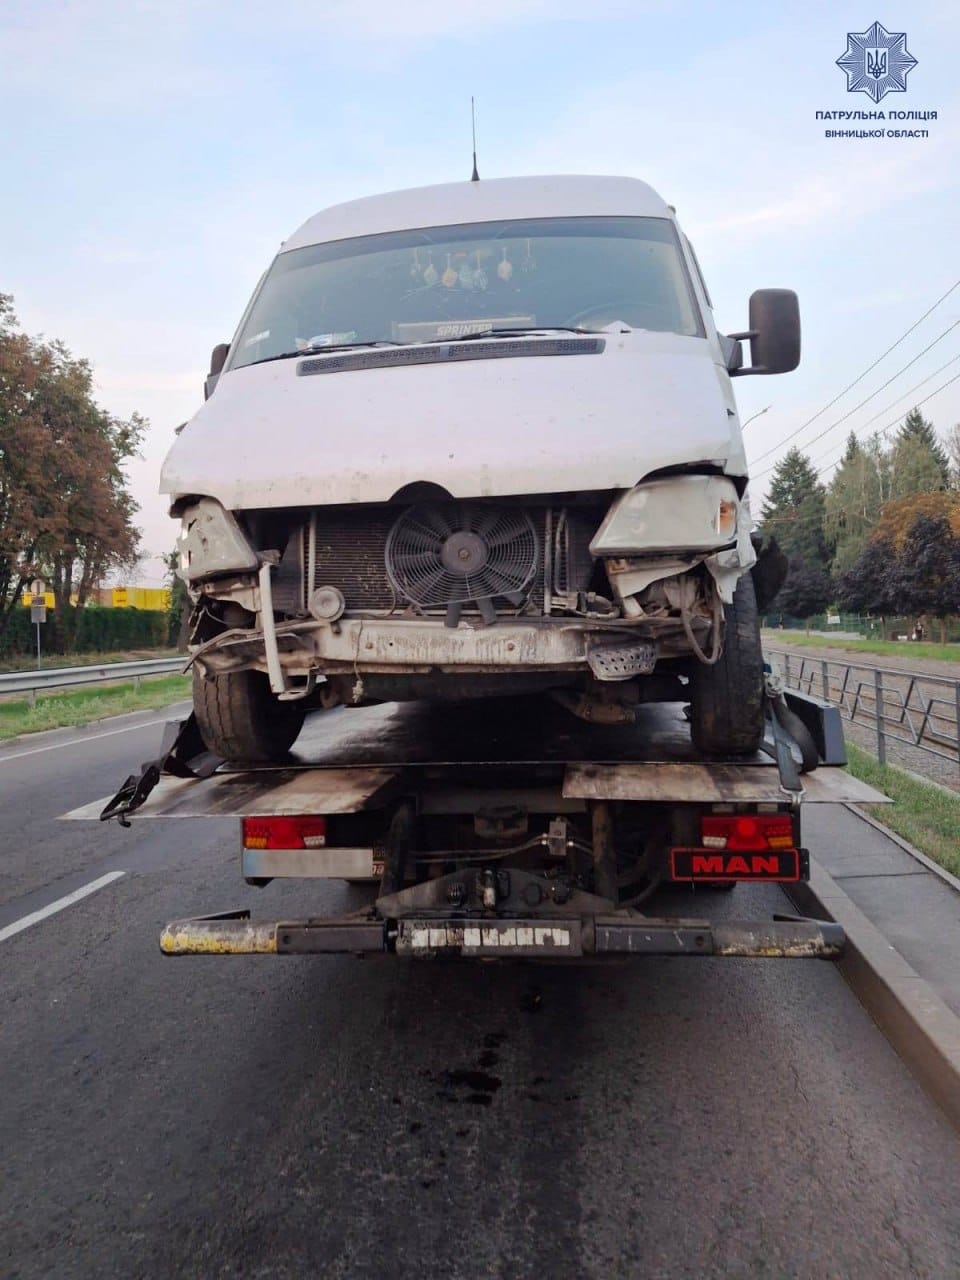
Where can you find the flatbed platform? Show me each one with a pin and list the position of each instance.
(500, 829)
(350, 759)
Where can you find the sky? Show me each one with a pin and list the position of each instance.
(156, 154)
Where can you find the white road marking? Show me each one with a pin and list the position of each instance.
(35, 917)
(76, 742)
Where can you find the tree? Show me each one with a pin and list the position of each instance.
(927, 571)
(178, 614)
(868, 586)
(852, 504)
(28, 512)
(897, 518)
(65, 512)
(918, 462)
(807, 591)
(953, 449)
(793, 512)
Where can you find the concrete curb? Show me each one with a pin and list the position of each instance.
(923, 1030)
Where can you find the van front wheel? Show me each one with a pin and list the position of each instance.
(726, 700)
(240, 719)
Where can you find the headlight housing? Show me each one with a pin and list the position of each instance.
(675, 514)
(211, 543)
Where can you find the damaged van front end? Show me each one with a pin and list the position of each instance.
(494, 454)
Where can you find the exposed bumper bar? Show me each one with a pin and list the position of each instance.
(417, 645)
(233, 933)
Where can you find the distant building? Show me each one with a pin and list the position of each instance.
(153, 598)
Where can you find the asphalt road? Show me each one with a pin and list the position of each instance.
(315, 1117)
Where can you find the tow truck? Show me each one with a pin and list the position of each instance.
(520, 833)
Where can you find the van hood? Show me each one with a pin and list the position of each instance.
(272, 437)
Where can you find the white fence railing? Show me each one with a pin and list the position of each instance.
(920, 711)
(33, 682)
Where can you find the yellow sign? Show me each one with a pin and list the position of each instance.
(156, 598)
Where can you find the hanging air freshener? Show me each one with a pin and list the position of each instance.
(504, 266)
(479, 276)
(465, 276)
(415, 267)
(431, 275)
(449, 277)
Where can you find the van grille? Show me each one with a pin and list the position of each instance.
(344, 547)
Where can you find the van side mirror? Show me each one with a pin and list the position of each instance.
(218, 358)
(774, 334)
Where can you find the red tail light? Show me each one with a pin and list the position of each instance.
(745, 833)
(284, 833)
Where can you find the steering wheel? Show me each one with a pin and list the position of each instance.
(636, 314)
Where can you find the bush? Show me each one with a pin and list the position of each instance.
(98, 631)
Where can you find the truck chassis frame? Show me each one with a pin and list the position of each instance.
(559, 894)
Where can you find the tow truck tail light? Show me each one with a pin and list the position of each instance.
(284, 833)
(747, 833)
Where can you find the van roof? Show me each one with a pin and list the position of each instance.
(489, 200)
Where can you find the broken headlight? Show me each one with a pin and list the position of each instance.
(672, 514)
(211, 542)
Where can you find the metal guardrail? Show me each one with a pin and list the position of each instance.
(32, 682)
(921, 711)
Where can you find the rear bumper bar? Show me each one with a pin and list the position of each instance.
(569, 937)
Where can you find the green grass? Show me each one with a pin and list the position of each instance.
(926, 816)
(901, 648)
(57, 710)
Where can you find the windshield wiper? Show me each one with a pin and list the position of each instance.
(517, 333)
(319, 350)
(464, 337)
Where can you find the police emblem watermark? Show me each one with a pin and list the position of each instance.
(876, 62)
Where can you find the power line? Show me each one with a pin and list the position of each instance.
(867, 399)
(880, 412)
(916, 386)
(861, 377)
(890, 425)
(883, 430)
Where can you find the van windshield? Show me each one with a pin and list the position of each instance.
(439, 283)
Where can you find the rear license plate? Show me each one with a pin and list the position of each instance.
(713, 865)
(489, 937)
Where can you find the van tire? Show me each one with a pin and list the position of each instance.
(240, 719)
(726, 700)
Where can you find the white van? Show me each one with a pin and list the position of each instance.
(476, 439)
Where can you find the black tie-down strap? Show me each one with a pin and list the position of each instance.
(785, 732)
(183, 754)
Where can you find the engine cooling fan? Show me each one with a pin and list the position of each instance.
(461, 553)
